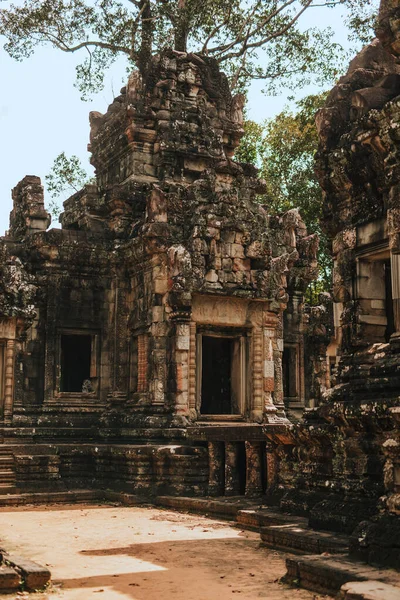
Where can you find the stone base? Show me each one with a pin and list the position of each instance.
(341, 514)
(292, 538)
(327, 575)
(377, 541)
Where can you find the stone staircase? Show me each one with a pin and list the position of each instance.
(320, 561)
(7, 471)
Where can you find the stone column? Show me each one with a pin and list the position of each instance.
(182, 347)
(232, 480)
(258, 408)
(272, 466)
(269, 372)
(395, 269)
(142, 359)
(192, 370)
(254, 471)
(216, 473)
(9, 381)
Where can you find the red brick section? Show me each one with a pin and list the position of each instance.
(142, 363)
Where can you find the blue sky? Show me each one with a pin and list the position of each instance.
(41, 113)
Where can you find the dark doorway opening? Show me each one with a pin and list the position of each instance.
(289, 372)
(389, 301)
(75, 361)
(216, 384)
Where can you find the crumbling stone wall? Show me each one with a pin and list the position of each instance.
(343, 462)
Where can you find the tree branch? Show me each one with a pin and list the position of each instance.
(246, 46)
(61, 45)
(240, 39)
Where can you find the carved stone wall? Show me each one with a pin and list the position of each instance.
(168, 247)
(339, 467)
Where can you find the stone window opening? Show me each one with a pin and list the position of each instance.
(221, 374)
(389, 308)
(293, 376)
(77, 372)
(290, 372)
(2, 374)
(374, 293)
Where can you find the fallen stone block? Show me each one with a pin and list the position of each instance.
(9, 579)
(34, 576)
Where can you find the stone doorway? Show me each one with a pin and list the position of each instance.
(221, 374)
(75, 362)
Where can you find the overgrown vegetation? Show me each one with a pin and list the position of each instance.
(284, 148)
(67, 176)
(250, 39)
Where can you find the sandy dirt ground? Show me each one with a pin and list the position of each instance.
(109, 552)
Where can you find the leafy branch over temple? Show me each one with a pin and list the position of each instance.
(251, 39)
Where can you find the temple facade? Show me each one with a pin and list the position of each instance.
(143, 342)
(159, 343)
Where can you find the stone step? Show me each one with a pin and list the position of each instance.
(327, 574)
(9, 579)
(303, 539)
(34, 576)
(257, 518)
(67, 497)
(7, 488)
(5, 450)
(7, 479)
(223, 506)
(5, 471)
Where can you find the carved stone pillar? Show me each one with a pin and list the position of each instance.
(9, 381)
(192, 370)
(258, 408)
(254, 471)
(232, 480)
(395, 270)
(216, 477)
(269, 371)
(181, 358)
(272, 466)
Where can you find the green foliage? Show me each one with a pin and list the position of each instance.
(284, 148)
(66, 176)
(251, 39)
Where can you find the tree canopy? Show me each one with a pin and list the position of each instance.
(284, 148)
(250, 39)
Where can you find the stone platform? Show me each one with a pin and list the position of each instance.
(319, 562)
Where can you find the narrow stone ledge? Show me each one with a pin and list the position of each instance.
(263, 517)
(294, 538)
(221, 507)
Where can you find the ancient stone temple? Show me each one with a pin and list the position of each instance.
(141, 345)
(343, 464)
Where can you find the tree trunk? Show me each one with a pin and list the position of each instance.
(181, 27)
(146, 42)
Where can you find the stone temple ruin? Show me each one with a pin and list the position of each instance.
(143, 341)
(158, 343)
